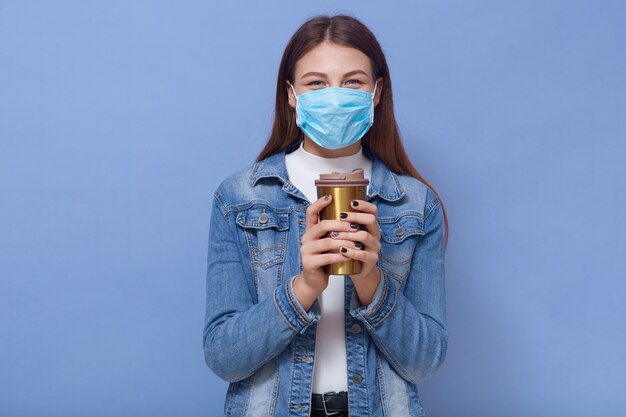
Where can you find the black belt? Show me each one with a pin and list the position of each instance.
(331, 402)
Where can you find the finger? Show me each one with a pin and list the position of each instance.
(362, 236)
(312, 211)
(366, 219)
(360, 218)
(359, 255)
(364, 206)
(326, 226)
(316, 247)
(367, 207)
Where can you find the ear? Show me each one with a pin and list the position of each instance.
(290, 96)
(379, 90)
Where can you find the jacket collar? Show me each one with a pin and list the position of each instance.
(383, 183)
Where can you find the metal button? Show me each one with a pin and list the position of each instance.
(399, 231)
(356, 378)
(263, 218)
(356, 328)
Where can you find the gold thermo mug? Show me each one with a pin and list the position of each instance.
(343, 187)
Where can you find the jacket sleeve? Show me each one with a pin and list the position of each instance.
(409, 327)
(240, 335)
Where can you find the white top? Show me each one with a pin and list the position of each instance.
(330, 371)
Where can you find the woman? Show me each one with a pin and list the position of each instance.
(290, 339)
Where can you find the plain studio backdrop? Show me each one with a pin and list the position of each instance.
(118, 119)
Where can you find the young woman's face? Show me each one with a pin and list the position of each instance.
(332, 65)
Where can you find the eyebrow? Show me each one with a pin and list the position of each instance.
(321, 74)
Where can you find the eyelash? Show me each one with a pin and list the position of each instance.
(313, 83)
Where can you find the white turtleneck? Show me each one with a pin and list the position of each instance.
(330, 372)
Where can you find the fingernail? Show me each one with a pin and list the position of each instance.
(359, 245)
(354, 225)
(355, 203)
(343, 215)
(334, 234)
(327, 197)
(344, 250)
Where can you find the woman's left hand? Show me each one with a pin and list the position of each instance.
(368, 238)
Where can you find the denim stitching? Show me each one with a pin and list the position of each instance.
(248, 204)
(281, 311)
(275, 390)
(289, 297)
(431, 207)
(396, 263)
(381, 382)
(382, 299)
(221, 205)
(388, 313)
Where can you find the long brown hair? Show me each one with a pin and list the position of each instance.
(383, 138)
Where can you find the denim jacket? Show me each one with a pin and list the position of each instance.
(261, 340)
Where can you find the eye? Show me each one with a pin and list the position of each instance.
(316, 83)
(354, 82)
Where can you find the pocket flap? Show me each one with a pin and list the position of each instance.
(262, 217)
(396, 230)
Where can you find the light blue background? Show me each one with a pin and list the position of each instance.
(119, 118)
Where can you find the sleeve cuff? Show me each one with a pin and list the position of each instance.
(292, 311)
(382, 303)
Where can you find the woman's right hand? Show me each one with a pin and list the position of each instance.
(312, 281)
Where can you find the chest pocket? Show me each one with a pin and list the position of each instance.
(266, 233)
(399, 235)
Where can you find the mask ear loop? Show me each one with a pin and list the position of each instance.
(296, 98)
(373, 96)
(294, 94)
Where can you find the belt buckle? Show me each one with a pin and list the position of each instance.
(324, 404)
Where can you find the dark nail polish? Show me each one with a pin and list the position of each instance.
(354, 225)
(344, 250)
(343, 215)
(355, 203)
(359, 245)
(327, 197)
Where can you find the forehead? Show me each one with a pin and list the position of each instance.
(332, 59)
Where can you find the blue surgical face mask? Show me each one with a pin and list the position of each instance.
(335, 117)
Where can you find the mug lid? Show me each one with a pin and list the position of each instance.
(354, 178)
